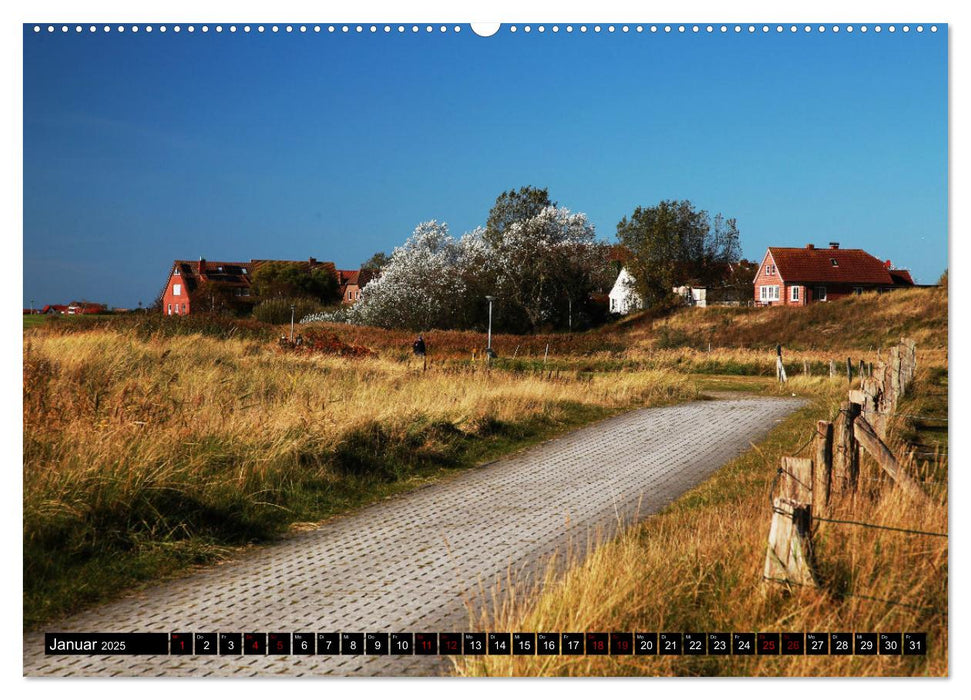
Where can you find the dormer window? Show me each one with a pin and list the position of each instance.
(835, 263)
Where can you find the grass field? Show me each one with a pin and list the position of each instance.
(697, 566)
(152, 445)
(143, 456)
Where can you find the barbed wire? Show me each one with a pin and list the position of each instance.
(888, 601)
(881, 527)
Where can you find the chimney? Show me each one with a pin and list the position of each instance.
(202, 265)
(810, 246)
(887, 264)
(313, 261)
(834, 245)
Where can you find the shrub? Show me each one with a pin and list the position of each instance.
(278, 311)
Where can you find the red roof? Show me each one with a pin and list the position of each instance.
(846, 265)
(902, 277)
(358, 277)
(235, 274)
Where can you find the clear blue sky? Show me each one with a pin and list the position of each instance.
(143, 148)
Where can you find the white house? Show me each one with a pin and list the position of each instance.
(623, 297)
(693, 296)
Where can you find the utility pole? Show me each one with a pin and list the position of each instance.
(293, 308)
(489, 352)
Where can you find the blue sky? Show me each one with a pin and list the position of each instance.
(143, 148)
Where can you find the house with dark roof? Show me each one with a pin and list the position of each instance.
(351, 282)
(801, 276)
(234, 280)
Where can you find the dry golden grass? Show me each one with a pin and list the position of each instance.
(184, 444)
(697, 566)
(864, 322)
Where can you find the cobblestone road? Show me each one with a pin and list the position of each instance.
(409, 564)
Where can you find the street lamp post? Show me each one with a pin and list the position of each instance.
(293, 308)
(489, 341)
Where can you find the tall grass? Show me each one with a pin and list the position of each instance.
(142, 455)
(863, 322)
(697, 566)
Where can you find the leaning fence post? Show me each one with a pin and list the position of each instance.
(788, 557)
(822, 465)
(885, 457)
(849, 371)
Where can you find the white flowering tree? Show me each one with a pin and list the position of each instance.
(538, 267)
(546, 261)
(419, 286)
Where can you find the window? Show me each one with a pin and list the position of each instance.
(794, 293)
(769, 293)
(834, 262)
(820, 293)
(176, 273)
(176, 309)
(183, 308)
(858, 290)
(177, 290)
(170, 309)
(770, 269)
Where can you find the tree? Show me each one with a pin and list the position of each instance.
(418, 288)
(737, 283)
(515, 206)
(545, 260)
(278, 279)
(673, 243)
(218, 298)
(376, 261)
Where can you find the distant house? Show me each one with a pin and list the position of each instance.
(623, 295)
(54, 309)
(234, 278)
(692, 296)
(351, 282)
(76, 308)
(801, 276)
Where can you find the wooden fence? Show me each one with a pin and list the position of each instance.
(805, 487)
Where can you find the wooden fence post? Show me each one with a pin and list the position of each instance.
(849, 371)
(832, 368)
(805, 368)
(822, 465)
(797, 479)
(788, 557)
(846, 454)
(895, 374)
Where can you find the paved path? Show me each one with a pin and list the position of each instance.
(406, 564)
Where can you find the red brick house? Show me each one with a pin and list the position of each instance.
(350, 283)
(801, 276)
(233, 279)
